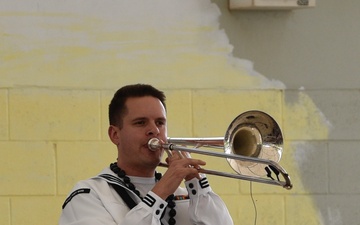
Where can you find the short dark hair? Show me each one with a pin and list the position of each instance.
(117, 107)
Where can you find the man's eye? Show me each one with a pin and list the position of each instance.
(160, 123)
(140, 122)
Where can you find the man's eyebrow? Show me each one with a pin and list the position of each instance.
(139, 118)
(146, 118)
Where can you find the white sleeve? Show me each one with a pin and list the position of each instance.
(148, 211)
(206, 207)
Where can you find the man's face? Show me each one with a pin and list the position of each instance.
(145, 119)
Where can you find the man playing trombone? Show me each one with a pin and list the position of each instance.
(130, 191)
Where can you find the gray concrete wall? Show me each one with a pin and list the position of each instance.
(315, 51)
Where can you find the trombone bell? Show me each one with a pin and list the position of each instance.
(253, 134)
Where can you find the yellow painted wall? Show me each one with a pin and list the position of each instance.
(60, 65)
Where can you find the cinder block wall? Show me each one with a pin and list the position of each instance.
(55, 137)
(57, 78)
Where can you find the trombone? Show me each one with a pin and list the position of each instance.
(252, 146)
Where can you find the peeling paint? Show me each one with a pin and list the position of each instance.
(172, 44)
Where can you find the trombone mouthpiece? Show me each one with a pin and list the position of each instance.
(154, 144)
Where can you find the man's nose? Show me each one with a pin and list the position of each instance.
(153, 130)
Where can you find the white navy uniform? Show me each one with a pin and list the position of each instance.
(95, 202)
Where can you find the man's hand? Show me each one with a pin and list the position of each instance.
(181, 167)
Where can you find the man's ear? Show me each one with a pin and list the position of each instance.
(113, 133)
